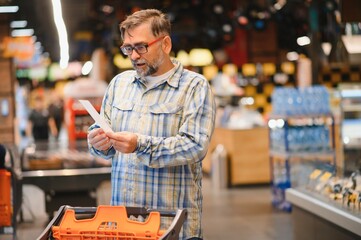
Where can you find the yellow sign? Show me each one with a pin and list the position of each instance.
(315, 174)
(18, 47)
(325, 176)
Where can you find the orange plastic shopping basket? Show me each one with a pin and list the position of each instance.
(112, 223)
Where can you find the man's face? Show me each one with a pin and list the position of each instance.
(148, 63)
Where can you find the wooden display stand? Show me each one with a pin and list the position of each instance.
(248, 152)
(7, 97)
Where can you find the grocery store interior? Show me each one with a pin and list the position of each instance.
(284, 161)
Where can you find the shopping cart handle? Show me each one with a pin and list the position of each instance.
(172, 233)
(46, 234)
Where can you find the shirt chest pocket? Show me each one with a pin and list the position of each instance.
(122, 114)
(167, 116)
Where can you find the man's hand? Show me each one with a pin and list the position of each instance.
(99, 140)
(125, 142)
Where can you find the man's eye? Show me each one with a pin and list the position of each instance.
(128, 48)
(139, 47)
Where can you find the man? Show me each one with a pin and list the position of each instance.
(162, 116)
(40, 123)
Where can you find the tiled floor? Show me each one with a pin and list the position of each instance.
(236, 213)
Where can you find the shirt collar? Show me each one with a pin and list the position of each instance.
(174, 78)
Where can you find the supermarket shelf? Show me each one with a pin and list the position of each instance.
(326, 155)
(67, 186)
(66, 179)
(308, 116)
(66, 172)
(326, 210)
(352, 108)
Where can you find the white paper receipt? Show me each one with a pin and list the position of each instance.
(95, 115)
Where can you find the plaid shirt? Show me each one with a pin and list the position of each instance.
(174, 121)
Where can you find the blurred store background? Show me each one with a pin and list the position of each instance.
(286, 74)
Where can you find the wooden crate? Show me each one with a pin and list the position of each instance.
(248, 151)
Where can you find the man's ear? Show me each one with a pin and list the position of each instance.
(167, 44)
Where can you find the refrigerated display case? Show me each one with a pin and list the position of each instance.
(350, 95)
(66, 172)
(327, 207)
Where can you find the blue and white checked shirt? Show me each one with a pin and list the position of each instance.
(174, 121)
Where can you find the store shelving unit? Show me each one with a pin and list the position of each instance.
(291, 160)
(78, 119)
(351, 126)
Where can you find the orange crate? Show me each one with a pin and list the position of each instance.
(111, 222)
(5, 198)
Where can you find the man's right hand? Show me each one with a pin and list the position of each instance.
(99, 140)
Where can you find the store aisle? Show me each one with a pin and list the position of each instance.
(243, 213)
(237, 213)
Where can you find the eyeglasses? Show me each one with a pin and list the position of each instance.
(140, 48)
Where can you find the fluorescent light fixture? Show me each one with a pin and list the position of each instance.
(9, 9)
(18, 24)
(292, 56)
(183, 57)
(37, 45)
(303, 41)
(22, 32)
(87, 67)
(352, 43)
(34, 38)
(199, 57)
(326, 47)
(63, 35)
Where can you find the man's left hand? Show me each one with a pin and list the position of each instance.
(125, 142)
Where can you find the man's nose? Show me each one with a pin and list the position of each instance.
(134, 55)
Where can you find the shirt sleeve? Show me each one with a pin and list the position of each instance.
(105, 113)
(190, 144)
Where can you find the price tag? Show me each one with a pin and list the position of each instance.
(325, 176)
(315, 174)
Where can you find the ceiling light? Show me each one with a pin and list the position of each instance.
(183, 57)
(292, 56)
(227, 28)
(18, 24)
(218, 9)
(63, 35)
(87, 67)
(200, 57)
(22, 32)
(107, 9)
(9, 9)
(304, 40)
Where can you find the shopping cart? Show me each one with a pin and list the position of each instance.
(112, 222)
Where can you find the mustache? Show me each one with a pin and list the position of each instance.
(139, 61)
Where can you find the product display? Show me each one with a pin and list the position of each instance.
(301, 138)
(68, 174)
(53, 156)
(345, 191)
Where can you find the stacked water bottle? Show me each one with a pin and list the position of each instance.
(290, 102)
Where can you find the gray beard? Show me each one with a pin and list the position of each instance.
(150, 69)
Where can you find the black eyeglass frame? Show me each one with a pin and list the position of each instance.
(140, 48)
